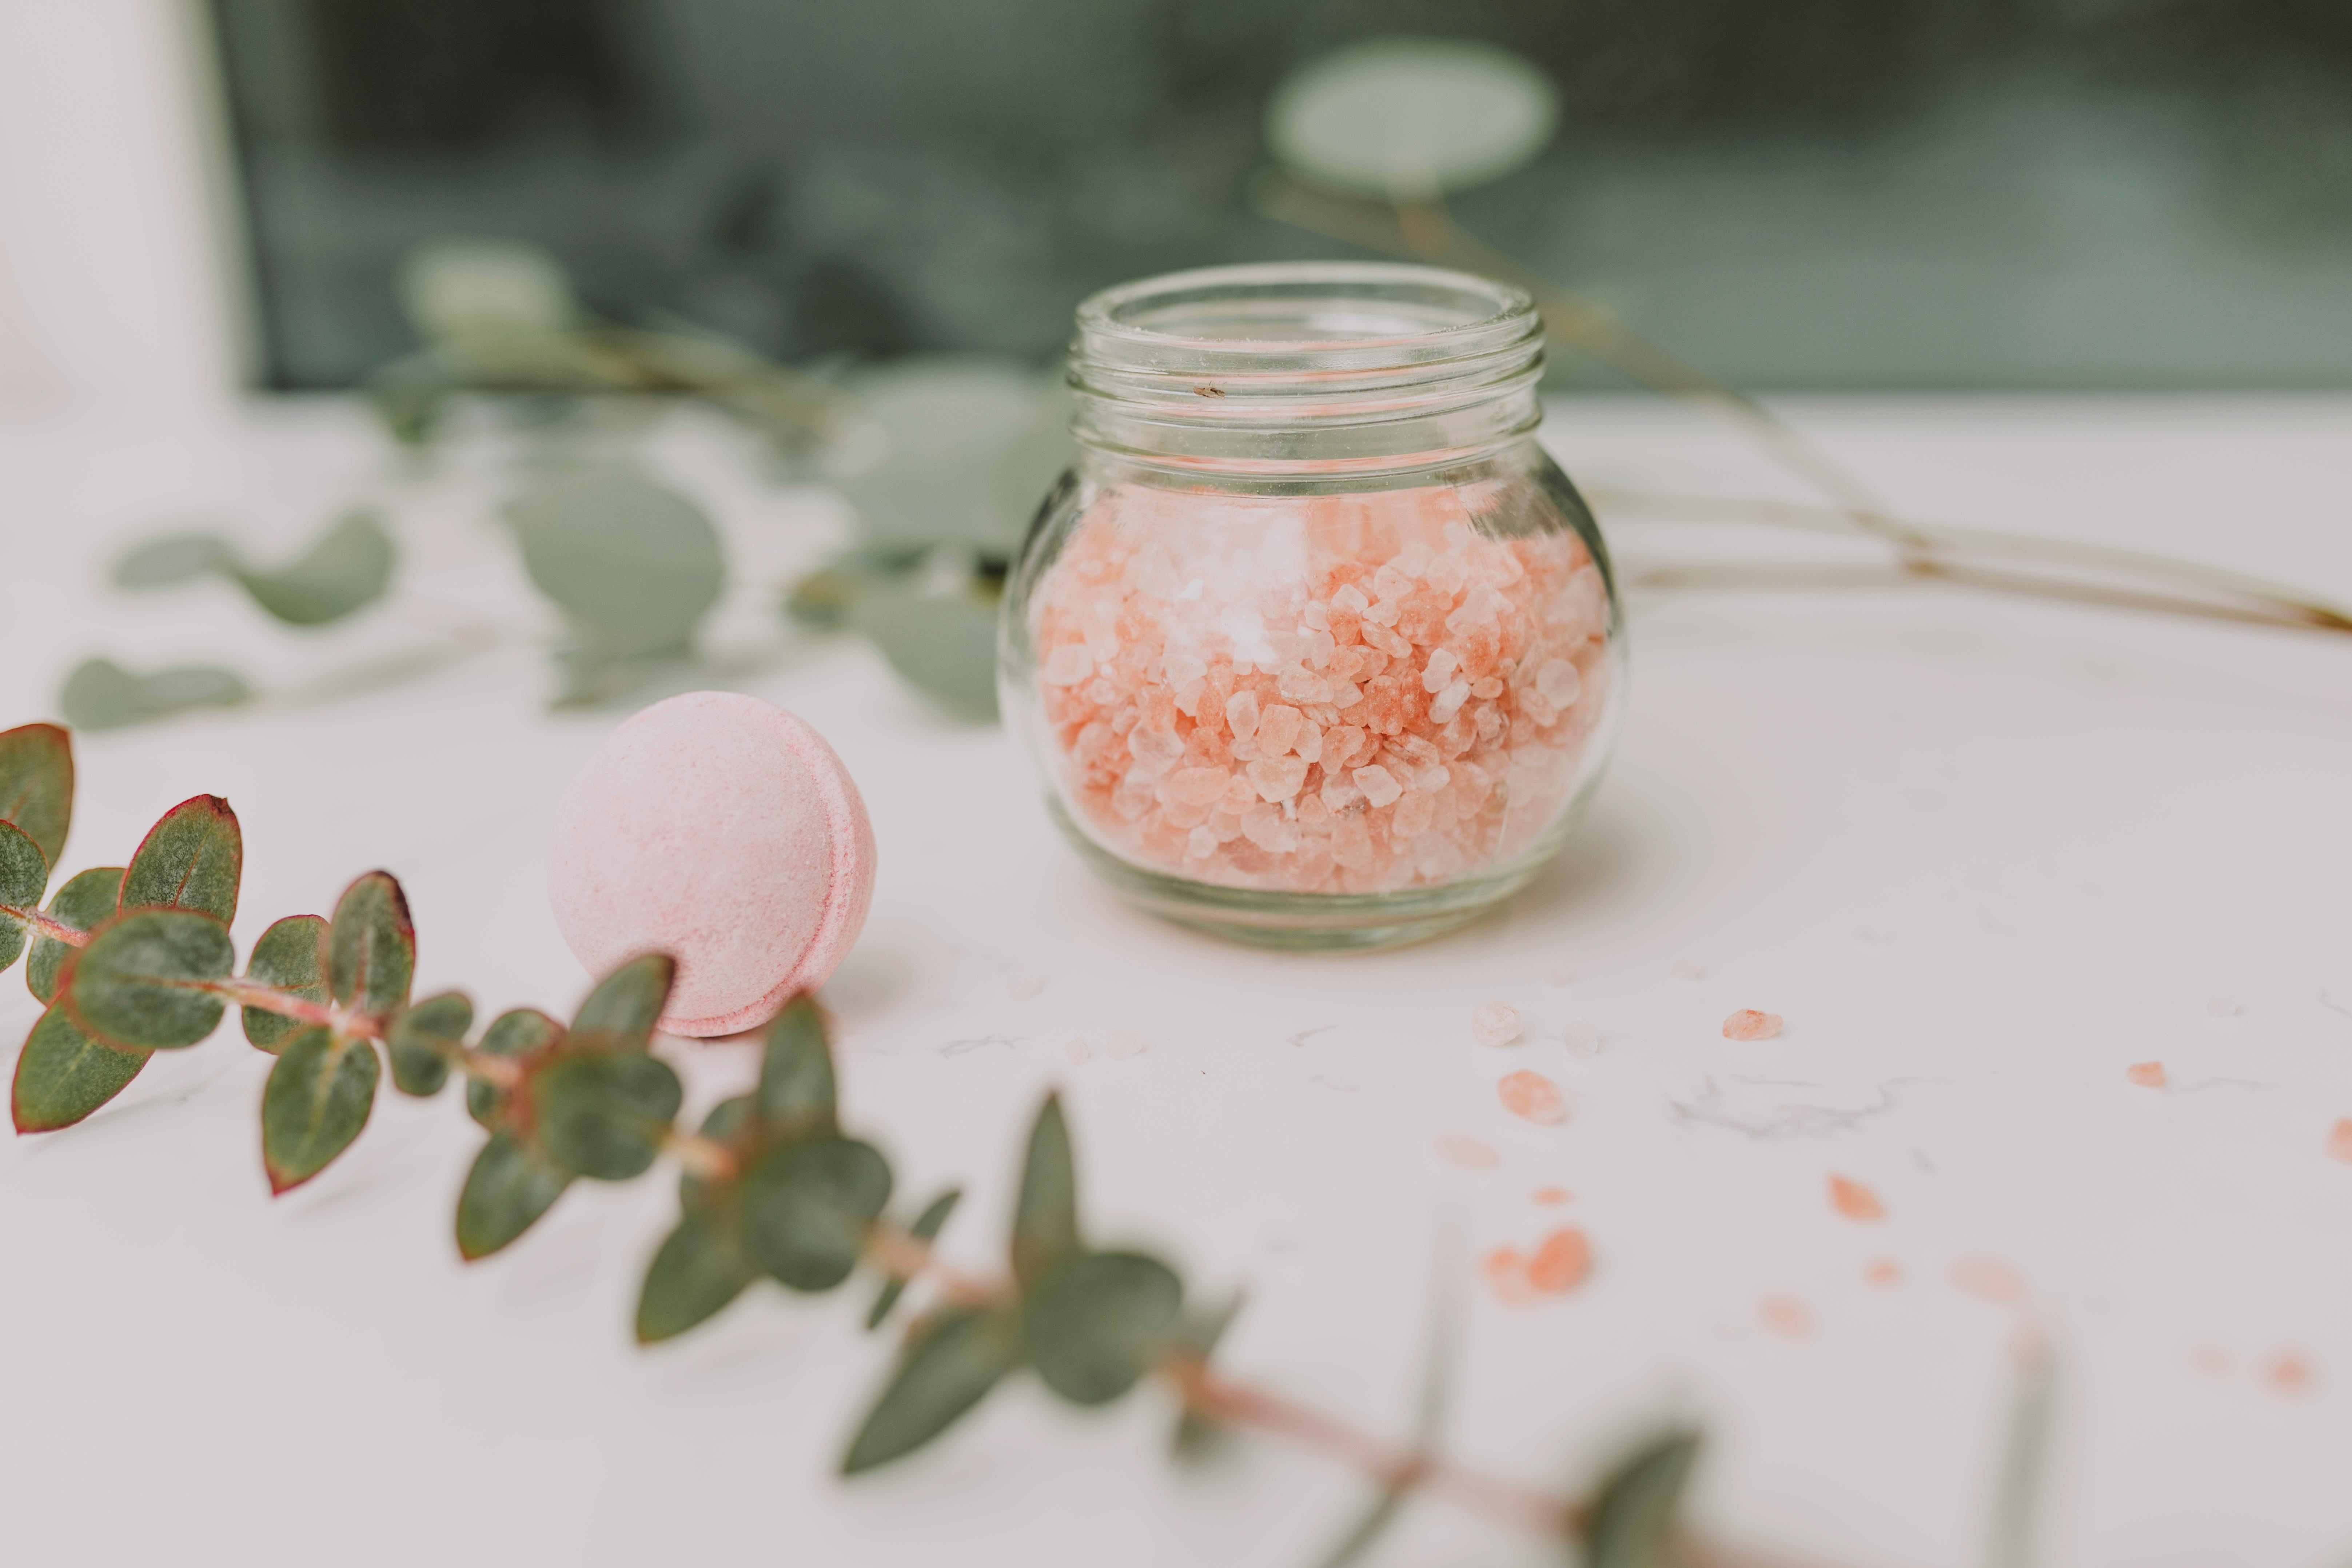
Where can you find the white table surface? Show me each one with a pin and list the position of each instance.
(1981, 854)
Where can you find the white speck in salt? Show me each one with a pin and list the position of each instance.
(1872, 942)
(1495, 1024)
(1127, 1043)
(1687, 977)
(1581, 1038)
(1024, 983)
(2223, 1008)
(1466, 1152)
(1078, 1051)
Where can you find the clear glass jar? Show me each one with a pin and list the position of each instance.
(1315, 645)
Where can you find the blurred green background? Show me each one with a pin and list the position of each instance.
(1800, 194)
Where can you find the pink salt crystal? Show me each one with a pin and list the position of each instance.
(1413, 812)
(1279, 778)
(1200, 844)
(1379, 786)
(1854, 1201)
(1551, 1194)
(2289, 1373)
(2339, 1141)
(1786, 1315)
(1989, 1277)
(1198, 786)
(1533, 1097)
(1505, 1268)
(1068, 665)
(1561, 1261)
(1240, 794)
(2147, 1075)
(1883, 1271)
(1583, 1040)
(1308, 744)
(1495, 1024)
(1077, 1051)
(1466, 1152)
(1241, 712)
(1278, 727)
(1747, 1023)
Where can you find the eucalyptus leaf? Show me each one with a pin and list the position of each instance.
(63, 1075)
(140, 982)
(87, 898)
(825, 598)
(347, 569)
(1411, 120)
(1630, 1522)
(796, 1092)
(292, 956)
(462, 290)
(37, 784)
(509, 1187)
(952, 1360)
(948, 450)
(520, 1036)
(633, 564)
(700, 1269)
(1098, 1322)
(423, 1041)
(194, 858)
(807, 1207)
(925, 1228)
(23, 875)
(372, 946)
(1045, 1215)
(620, 1012)
(179, 558)
(605, 1114)
(320, 1093)
(944, 645)
(101, 695)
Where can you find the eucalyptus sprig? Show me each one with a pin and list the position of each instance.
(137, 958)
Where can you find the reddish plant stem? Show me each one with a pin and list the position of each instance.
(49, 926)
(270, 999)
(705, 1157)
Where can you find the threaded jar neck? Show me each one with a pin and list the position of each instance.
(1306, 370)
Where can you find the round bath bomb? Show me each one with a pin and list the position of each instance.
(723, 831)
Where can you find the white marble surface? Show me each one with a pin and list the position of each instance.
(1981, 855)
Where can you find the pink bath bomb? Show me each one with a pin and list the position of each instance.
(723, 831)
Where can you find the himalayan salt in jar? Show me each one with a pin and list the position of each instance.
(1315, 645)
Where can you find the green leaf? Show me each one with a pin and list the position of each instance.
(1630, 1522)
(951, 449)
(603, 1114)
(320, 1093)
(633, 566)
(952, 1360)
(1098, 1322)
(192, 859)
(423, 1041)
(1410, 119)
(797, 1084)
(350, 566)
(101, 695)
(1045, 1218)
(37, 784)
(63, 1075)
(371, 947)
(1196, 1337)
(807, 1207)
(292, 956)
(180, 558)
(510, 1185)
(140, 982)
(926, 1226)
(699, 1270)
(86, 899)
(620, 1014)
(944, 645)
(460, 290)
(24, 874)
(520, 1035)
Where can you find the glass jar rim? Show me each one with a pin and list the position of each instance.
(1317, 315)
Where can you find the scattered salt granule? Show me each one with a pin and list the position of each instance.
(1747, 1023)
(1551, 1194)
(1786, 1315)
(2339, 1141)
(1989, 1277)
(2221, 1007)
(1459, 1149)
(1581, 1038)
(2288, 1373)
(1533, 1096)
(2147, 1075)
(1127, 1043)
(1078, 1051)
(1559, 1265)
(1883, 1271)
(1433, 690)
(1495, 1024)
(1854, 1201)
(1024, 983)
